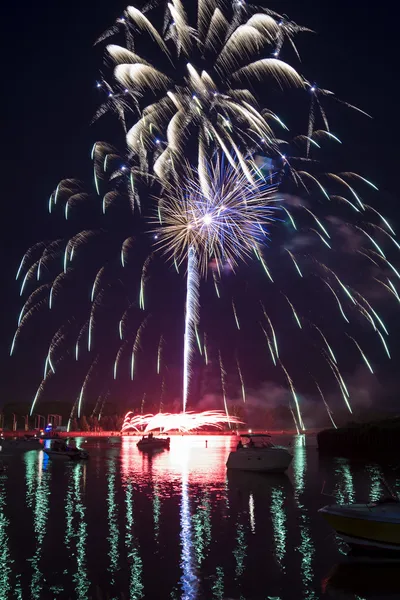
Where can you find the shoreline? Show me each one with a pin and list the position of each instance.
(108, 434)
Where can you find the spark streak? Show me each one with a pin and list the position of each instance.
(294, 395)
(241, 381)
(294, 312)
(235, 315)
(365, 359)
(159, 352)
(223, 376)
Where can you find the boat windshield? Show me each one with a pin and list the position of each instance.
(255, 441)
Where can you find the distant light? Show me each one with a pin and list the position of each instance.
(283, 156)
(123, 168)
(110, 94)
(98, 84)
(155, 236)
(194, 96)
(250, 431)
(313, 88)
(157, 141)
(126, 91)
(276, 53)
(207, 219)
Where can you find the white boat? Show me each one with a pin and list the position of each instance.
(18, 445)
(59, 450)
(255, 452)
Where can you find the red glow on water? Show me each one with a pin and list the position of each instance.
(202, 457)
(182, 422)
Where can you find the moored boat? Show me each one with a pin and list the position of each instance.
(255, 452)
(374, 526)
(59, 450)
(151, 442)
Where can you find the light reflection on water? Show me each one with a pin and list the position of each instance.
(132, 547)
(189, 579)
(40, 513)
(5, 558)
(80, 575)
(113, 531)
(306, 546)
(278, 518)
(343, 493)
(173, 524)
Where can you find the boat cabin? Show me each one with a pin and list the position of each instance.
(254, 440)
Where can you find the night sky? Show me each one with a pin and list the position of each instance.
(49, 96)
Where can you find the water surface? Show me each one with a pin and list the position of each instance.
(174, 525)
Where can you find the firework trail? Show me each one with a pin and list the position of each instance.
(198, 340)
(85, 383)
(124, 249)
(191, 320)
(328, 410)
(159, 354)
(294, 395)
(235, 315)
(81, 334)
(143, 281)
(365, 359)
(340, 381)
(57, 341)
(118, 357)
(271, 350)
(223, 386)
(272, 332)
(241, 381)
(136, 345)
(294, 312)
(205, 350)
(97, 409)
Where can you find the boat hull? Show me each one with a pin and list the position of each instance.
(268, 460)
(361, 532)
(152, 447)
(65, 456)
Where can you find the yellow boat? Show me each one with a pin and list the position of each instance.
(371, 526)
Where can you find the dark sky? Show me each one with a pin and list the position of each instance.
(49, 71)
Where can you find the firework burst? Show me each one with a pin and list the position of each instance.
(234, 184)
(198, 85)
(228, 224)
